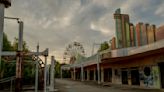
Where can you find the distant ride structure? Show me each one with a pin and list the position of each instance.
(73, 52)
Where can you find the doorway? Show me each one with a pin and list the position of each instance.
(108, 75)
(124, 77)
(85, 75)
(135, 77)
(91, 75)
(161, 67)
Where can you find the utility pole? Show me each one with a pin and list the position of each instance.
(19, 60)
(36, 74)
(45, 73)
(3, 4)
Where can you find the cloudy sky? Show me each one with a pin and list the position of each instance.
(57, 23)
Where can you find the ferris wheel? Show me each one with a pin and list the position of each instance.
(73, 52)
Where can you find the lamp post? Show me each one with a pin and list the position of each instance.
(45, 73)
(19, 59)
(36, 74)
(19, 55)
(3, 4)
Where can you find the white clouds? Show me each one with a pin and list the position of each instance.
(56, 23)
(160, 10)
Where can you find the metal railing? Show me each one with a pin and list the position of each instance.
(9, 79)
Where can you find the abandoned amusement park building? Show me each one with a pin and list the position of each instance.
(136, 57)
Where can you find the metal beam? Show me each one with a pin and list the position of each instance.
(8, 53)
(13, 53)
(98, 67)
(45, 75)
(2, 8)
(19, 59)
(37, 72)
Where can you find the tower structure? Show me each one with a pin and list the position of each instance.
(122, 29)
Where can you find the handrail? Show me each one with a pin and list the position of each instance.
(7, 79)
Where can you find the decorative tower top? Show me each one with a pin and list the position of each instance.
(7, 3)
(118, 11)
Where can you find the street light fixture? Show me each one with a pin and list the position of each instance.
(19, 55)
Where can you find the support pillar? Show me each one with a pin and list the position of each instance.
(102, 74)
(74, 71)
(45, 74)
(37, 71)
(113, 75)
(82, 73)
(36, 77)
(18, 86)
(3, 4)
(52, 74)
(98, 68)
(19, 60)
(72, 76)
(95, 74)
(61, 73)
(2, 8)
(88, 77)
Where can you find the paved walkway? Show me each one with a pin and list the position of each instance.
(76, 86)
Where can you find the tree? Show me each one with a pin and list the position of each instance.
(57, 69)
(6, 47)
(15, 45)
(6, 43)
(8, 68)
(103, 46)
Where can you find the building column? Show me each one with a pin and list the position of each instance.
(98, 68)
(45, 75)
(102, 74)
(88, 77)
(113, 75)
(74, 73)
(2, 8)
(94, 74)
(52, 74)
(72, 76)
(61, 73)
(82, 73)
(37, 71)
